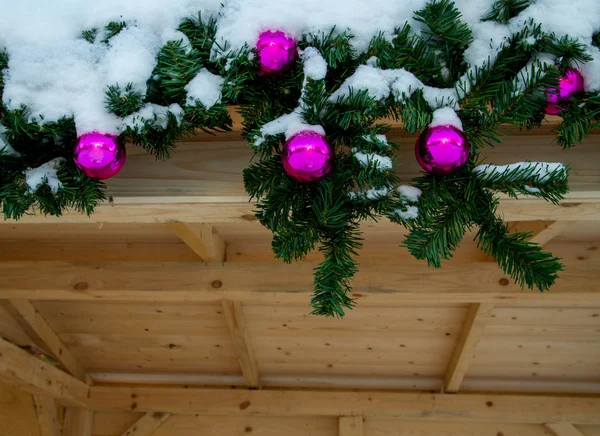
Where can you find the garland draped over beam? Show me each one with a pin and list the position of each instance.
(434, 68)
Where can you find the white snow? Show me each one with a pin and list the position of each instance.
(374, 80)
(205, 88)
(289, 124)
(532, 189)
(4, 145)
(370, 194)
(380, 162)
(409, 192)
(540, 170)
(381, 140)
(35, 177)
(591, 71)
(315, 66)
(446, 116)
(411, 212)
(155, 113)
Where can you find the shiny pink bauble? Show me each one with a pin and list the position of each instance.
(569, 84)
(276, 51)
(99, 156)
(307, 156)
(441, 150)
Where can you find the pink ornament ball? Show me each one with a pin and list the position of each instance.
(276, 51)
(568, 85)
(99, 156)
(307, 156)
(442, 150)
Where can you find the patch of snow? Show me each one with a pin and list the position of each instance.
(410, 192)
(411, 212)
(35, 177)
(380, 162)
(205, 88)
(315, 66)
(540, 170)
(370, 194)
(446, 116)
(288, 124)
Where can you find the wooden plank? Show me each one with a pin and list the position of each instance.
(550, 232)
(147, 424)
(249, 282)
(563, 429)
(469, 337)
(17, 413)
(203, 239)
(351, 426)
(242, 342)
(20, 369)
(40, 332)
(78, 422)
(417, 406)
(47, 415)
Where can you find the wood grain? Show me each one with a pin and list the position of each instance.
(147, 425)
(203, 239)
(47, 415)
(78, 422)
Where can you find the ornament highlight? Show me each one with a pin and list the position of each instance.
(571, 83)
(307, 156)
(276, 51)
(99, 156)
(441, 150)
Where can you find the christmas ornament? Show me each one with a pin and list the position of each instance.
(307, 156)
(441, 150)
(99, 156)
(276, 51)
(569, 84)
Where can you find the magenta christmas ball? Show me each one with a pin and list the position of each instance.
(571, 83)
(307, 156)
(276, 51)
(441, 150)
(99, 156)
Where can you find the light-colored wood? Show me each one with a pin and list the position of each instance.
(466, 344)
(203, 239)
(417, 406)
(242, 342)
(47, 415)
(147, 424)
(563, 429)
(248, 282)
(20, 369)
(36, 327)
(385, 427)
(78, 422)
(17, 413)
(351, 426)
(550, 232)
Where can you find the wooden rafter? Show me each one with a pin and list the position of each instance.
(47, 415)
(469, 337)
(242, 342)
(147, 424)
(78, 422)
(40, 332)
(203, 239)
(550, 232)
(563, 429)
(20, 369)
(414, 406)
(351, 426)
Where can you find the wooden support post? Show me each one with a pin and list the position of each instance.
(78, 422)
(550, 232)
(351, 426)
(47, 415)
(20, 369)
(42, 335)
(203, 239)
(147, 424)
(242, 342)
(563, 429)
(468, 339)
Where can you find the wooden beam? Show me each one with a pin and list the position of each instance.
(78, 422)
(386, 405)
(203, 239)
(42, 335)
(242, 342)
(467, 341)
(550, 232)
(351, 426)
(563, 429)
(261, 283)
(20, 369)
(147, 424)
(47, 415)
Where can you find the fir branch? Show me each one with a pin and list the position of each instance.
(123, 102)
(90, 35)
(414, 54)
(112, 29)
(503, 10)
(201, 34)
(579, 118)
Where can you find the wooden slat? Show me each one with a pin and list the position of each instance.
(242, 342)
(40, 332)
(550, 232)
(47, 415)
(563, 429)
(351, 426)
(20, 369)
(147, 424)
(78, 422)
(417, 406)
(468, 339)
(248, 282)
(203, 239)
